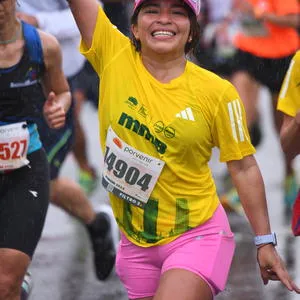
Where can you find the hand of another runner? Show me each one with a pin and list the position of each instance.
(273, 268)
(54, 112)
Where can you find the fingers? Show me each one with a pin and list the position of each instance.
(51, 98)
(54, 109)
(279, 274)
(57, 123)
(55, 117)
(285, 279)
(295, 287)
(273, 268)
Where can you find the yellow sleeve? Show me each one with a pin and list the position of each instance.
(289, 97)
(107, 42)
(230, 133)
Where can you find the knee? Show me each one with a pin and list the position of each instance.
(10, 286)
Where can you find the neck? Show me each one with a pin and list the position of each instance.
(10, 33)
(164, 69)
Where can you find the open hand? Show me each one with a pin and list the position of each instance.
(273, 268)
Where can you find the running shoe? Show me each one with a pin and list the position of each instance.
(100, 232)
(290, 191)
(231, 202)
(26, 286)
(88, 181)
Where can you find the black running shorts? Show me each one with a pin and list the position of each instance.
(266, 71)
(24, 199)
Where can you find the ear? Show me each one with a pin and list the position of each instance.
(135, 31)
(190, 39)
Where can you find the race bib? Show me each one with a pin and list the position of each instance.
(14, 141)
(129, 173)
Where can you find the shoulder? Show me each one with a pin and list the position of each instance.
(50, 46)
(206, 82)
(296, 57)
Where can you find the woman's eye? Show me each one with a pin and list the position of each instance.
(179, 12)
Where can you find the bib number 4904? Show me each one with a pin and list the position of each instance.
(13, 150)
(120, 169)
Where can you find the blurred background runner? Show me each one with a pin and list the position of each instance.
(55, 17)
(265, 43)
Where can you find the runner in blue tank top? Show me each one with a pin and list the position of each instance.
(29, 59)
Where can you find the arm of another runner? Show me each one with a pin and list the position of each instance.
(247, 179)
(55, 85)
(283, 14)
(290, 134)
(85, 13)
(289, 104)
(291, 20)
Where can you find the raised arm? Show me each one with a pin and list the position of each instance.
(85, 13)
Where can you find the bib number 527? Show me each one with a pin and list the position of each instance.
(13, 150)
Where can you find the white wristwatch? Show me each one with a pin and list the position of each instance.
(266, 239)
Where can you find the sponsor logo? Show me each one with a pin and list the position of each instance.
(236, 120)
(159, 127)
(143, 111)
(186, 114)
(118, 143)
(30, 79)
(141, 129)
(34, 193)
(169, 132)
(132, 102)
(138, 155)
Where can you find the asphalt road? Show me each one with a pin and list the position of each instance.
(62, 267)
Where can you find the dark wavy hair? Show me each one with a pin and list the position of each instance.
(194, 33)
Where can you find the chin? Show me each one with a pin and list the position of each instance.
(164, 50)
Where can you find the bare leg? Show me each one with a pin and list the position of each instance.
(13, 268)
(87, 176)
(248, 89)
(68, 195)
(180, 284)
(79, 148)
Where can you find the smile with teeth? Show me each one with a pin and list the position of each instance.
(163, 33)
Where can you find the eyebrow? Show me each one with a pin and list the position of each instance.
(157, 5)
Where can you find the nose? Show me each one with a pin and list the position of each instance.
(164, 17)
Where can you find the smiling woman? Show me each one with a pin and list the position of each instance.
(176, 242)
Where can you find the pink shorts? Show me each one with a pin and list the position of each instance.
(206, 250)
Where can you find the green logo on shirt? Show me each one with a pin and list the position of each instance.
(142, 130)
(132, 101)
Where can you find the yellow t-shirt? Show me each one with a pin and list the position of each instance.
(289, 97)
(183, 121)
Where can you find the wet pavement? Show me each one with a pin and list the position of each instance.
(62, 267)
